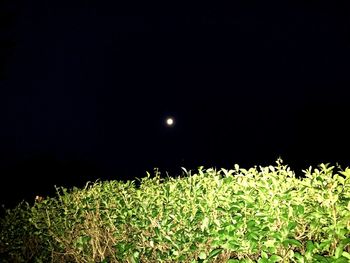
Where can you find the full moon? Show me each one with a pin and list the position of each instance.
(169, 121)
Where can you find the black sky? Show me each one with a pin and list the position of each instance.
(85, 88)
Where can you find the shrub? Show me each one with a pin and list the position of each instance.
(263, 214)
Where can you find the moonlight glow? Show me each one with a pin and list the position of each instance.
(170, 121)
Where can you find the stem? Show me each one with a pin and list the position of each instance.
(285, 255)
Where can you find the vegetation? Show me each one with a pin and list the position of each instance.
(264, 214)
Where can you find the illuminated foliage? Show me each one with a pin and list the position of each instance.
(263, 214)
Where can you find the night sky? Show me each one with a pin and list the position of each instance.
(86, 86)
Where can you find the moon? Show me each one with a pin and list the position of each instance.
(170, 121)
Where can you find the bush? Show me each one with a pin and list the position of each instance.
(263, 214)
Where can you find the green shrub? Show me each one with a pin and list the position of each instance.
(264, 214)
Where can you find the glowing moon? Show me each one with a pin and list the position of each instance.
(170, 121)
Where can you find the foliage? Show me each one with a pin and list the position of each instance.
(264, 214)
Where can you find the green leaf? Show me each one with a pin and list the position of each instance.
(202, 255)
(135, 257)
(182, 258)
(292, 225)
(264, 255)
(325, 244)
(263, 260)
(214, 253)
(338, 252)
(341, 260)
(270, 243)
(298, 256)
(251, 223)
(272, 250)
(157, 231)
(291, 242)
(300, 209)
(253, 237)
(310, 246)
(320, 259)
(205, 223)
(274, 258)
(346, 254)
(345, 241)
(340, 248)
(232, 245)
(86, 239)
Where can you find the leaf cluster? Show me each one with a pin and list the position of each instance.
(263, 214)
